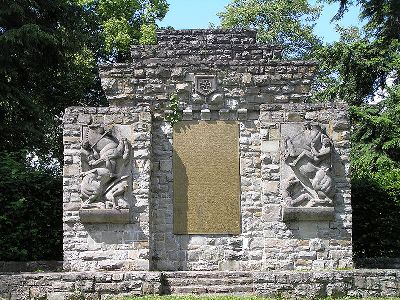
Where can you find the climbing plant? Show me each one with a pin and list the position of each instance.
(174, 115)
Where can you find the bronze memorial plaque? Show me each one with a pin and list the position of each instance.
(206, 177)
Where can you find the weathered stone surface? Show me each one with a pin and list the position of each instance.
(105, 238)
(307, 166)
(104, 216)
(243, 82)
(234, 68)
(290, 284)
(308, 213)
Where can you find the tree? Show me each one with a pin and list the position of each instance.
(121, 23)
(288, 23)
(44, 67)
(354, 69)
(48, 61)
(382, 16)
(357, 69)
(376, 177)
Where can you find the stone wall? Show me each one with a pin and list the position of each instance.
(78, 285)
(266, 242)
(106, 285)
(31, 266)
(294, 166)
(107, 246)
(248, 74)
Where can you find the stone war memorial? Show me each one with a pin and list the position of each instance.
(252, 183)
(251, 178)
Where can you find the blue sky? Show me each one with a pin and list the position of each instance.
(188, 14)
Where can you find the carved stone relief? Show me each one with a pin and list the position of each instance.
(307, 180)
(205, 84)
(105, 157)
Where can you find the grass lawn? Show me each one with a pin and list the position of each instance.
(211, 297)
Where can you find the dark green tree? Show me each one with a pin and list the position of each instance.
(362, 69)
(355, 69)
(376, 177)
(48, 61)
(44, 67)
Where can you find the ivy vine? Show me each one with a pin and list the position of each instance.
(175, 114)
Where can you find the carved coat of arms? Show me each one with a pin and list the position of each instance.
(205, 84)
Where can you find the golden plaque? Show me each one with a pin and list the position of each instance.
(206, 177)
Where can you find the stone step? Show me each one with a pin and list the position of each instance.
(209, 281)
(217, 289)
(239, 283)
(208, 274)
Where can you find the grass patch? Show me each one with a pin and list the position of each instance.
(213, 297)
(195, 297)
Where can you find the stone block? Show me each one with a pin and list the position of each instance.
(272, 212)
(271, 187)
(308, 214)
(269, 146)
(183, 87)
(71, 170)
(317, 245)
(246, 78)
(205, 114)
(295, 116)
(104, 216)
(229, 265)
(274, 134)
(217, 99)
(224, 114)
(242, 114)
(166, 165)
(139, 73)
(187, 115)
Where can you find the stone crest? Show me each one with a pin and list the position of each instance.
(205, 84)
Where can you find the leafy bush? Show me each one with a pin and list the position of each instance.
(376, 178)
(31, 210)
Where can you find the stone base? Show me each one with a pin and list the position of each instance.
(114, 216)
(271, 284)
(308, 214)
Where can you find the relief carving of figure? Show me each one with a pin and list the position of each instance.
(309, 156)
(103, 185)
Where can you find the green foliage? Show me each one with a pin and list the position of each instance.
(122, 23)
(382, 16)
(288, 23)
(48, 56)
(354, 67)
(175, 114)
(149, 36)
(31, 218)
(44, 68)
(117, 35)
(376, 177)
